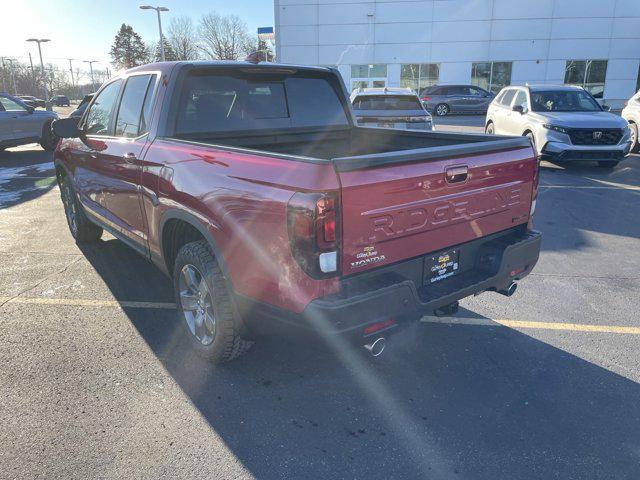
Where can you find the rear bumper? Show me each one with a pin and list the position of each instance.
(396, 292)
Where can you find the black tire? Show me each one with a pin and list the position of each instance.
(81, 228)
(227, 341)
(48, 141)
(490, 129)
(607, 163)
(441, 110)
(635, 144)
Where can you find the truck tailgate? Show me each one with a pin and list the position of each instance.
(403, 210)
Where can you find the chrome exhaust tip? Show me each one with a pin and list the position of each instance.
(510, 290)
(376, 347)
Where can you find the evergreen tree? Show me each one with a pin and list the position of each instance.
(169, 53)
(128, 49)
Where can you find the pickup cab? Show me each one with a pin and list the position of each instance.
(253, 188)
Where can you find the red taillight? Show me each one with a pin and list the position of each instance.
(313, 232)
(425, 98)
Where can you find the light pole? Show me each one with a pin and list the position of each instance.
(73, 85)
(158, 10)
(91, 62)
(44, 81)
(13, 74)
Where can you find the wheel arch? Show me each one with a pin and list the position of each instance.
(178, 227)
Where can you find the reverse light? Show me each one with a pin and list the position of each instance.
(312, 221)
(555, 128)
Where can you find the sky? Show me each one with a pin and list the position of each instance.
(84, 30)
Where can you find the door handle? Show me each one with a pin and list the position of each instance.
(457, 174)
(129, 157)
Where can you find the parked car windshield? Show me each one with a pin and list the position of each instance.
(563, 101)
(387, 102)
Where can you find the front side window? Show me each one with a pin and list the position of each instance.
(563, 101)
(491, 76)
(418, 76)
(589, 74)
(100, 112)
(521, 99)
(130, 118)
(507, 97)
(11, 105)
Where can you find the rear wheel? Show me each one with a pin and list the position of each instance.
(81, 228)
(635, 146)
(490, 128)
(608, 163)
(204, 305)
(442, 110)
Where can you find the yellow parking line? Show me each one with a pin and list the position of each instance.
(77, 302)
(570, 327)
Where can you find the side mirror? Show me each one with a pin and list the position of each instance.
(606, 108)
(521, 109)
(66, 128)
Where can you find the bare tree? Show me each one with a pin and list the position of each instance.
(183, 38)
(224, 37)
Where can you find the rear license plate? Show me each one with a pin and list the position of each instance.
(441, 266)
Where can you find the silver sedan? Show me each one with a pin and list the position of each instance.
(21, 124)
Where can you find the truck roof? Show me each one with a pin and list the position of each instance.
(162, 66)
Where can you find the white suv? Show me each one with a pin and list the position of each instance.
(565, 123)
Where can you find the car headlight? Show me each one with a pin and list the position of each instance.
(555, 128)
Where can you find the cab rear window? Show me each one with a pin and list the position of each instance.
(213, 102)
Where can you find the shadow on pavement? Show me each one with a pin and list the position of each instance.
(443, 402)
(567, 215)
(25, 175)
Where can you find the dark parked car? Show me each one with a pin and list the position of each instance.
(445, 99)
(60, 101)
(32, 101)
(252, 187)
(77, 113)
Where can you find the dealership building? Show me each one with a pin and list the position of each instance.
(488, 43)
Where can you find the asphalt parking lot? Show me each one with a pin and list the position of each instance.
(95, 382)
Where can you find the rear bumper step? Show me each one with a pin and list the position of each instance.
(498, 262)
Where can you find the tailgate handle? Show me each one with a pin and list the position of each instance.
(457, 174)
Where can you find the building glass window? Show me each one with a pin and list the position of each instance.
(491, 76)
(363, 76)
(589, 74)
(418, 76)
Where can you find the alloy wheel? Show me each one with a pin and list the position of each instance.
(70, 208)
(197, 304)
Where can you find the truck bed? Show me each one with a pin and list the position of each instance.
(359, 147)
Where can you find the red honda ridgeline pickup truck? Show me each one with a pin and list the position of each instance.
(251, 186)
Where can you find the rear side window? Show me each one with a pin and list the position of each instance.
(211, 103)
(131, 120)
(507, 97)
(99, 115)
